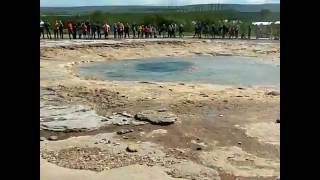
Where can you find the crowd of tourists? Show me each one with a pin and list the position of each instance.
(87, 30)
(224, 31)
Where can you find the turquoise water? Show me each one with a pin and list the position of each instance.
(224, 70)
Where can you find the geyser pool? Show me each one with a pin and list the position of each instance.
(224, 70)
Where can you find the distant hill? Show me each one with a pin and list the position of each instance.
(150, 9)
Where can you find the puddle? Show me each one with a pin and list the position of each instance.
(224, 70)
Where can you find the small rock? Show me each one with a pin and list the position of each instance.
(241, 88)
(221, 115)
(161, 86)
(116, 144)
(108, 142)
(189, 101)
(273, 93)
(138, 123)
(126, 114)
(203, 95)
(159, 131)
(162, 110)
(181, 151)
(155, 117)
(170, 90)
(132, 148)
(199, 148)
(239, 143)
(124, 131)
(53, 138)
(43, 138)
(145, 82)
(278, 121)
(181, 84)
(96, 143)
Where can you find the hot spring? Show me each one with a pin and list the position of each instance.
(222, 70)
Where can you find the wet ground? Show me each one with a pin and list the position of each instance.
(230, 129)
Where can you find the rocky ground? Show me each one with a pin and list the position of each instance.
(92, 129)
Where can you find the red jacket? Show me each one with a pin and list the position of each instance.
(70, 27)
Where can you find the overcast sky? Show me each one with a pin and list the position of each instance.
(55, 3)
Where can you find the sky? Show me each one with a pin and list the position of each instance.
(66, 3)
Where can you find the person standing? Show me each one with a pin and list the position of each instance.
(213, 31)
(140, 29)
(74, 32)
(84, 30)
(230, 31)
(88, 25)
(61, 29)
(150, 32)
(162, 31)
(47, 29)
(207, 27)
(170, 31)
(41, 29)
(224, 31)
(98, 27)
(195, 30)
(56, 30)
(114, 29)
(119, 30)
(93, 31)
(181, 31)
(220, 30)
(175, 30)
(134, 29)
(146, 31)
(79, 29)
(126, 31)
(249, 32)
(106, 30)
(237, 29)
(70, 28)
(155, 29)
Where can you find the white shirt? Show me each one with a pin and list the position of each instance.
(41, 24)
